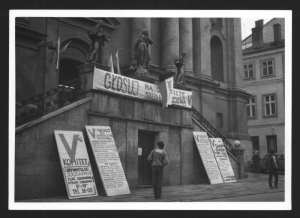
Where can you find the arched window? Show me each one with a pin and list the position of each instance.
(217, 71)
(68, 70)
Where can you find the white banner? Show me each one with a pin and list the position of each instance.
(170, 84)
(222, 160)
(75, 164)
(108, 81)
(208, 157)
(108, 160)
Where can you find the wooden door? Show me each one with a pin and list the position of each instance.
(145, 145)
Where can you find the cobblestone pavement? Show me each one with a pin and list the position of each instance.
(194, 193)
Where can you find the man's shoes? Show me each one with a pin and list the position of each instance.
(276, 187)
(271, 187)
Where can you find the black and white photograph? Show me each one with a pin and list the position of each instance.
(156, 110)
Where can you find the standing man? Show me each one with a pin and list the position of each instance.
(272, 166)
(158, 159)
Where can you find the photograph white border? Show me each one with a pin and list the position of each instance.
(286, 205)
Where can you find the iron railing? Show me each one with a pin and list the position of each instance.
(210, 128)
(35, 106)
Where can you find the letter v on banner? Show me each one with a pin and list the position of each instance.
(165, 88)
(71, 151)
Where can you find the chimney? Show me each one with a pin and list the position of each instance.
(277, 32)
(257, 34)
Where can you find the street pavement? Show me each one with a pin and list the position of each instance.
(251, 189)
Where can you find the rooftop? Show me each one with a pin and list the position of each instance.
(266, 46)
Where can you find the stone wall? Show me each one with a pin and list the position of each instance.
(38, 171)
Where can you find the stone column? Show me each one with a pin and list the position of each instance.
(235, 52)
(238, 152)
(170, 42)
(137, 25)
(186, 42)
(201, 45)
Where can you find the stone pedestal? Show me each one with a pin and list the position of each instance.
(86, 73)
(238, 152)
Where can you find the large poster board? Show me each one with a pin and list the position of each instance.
(75, 164)
(108, 81)
(222, 160)
(208, 158)
(108, 160)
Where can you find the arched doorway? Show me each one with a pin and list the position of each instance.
(217, 69)
(69, 81)
(68, 70)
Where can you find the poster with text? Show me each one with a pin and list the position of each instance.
(108, 160)
(222, 160)
(207, 157)
(75, 164)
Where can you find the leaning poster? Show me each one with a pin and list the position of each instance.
(222, 160)
(75, 164)
(208, 157)
(108, 160)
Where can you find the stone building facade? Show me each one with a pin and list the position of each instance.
(213, 67)
(264, 77)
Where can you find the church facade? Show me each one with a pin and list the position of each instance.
(213, 73)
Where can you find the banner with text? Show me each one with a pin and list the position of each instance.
(75, 164)
(165, 88)
(222, 160)
(108, 81)
(207, 157)
(108, 160)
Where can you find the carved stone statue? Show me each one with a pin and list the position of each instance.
(141, 53)
(180, 75)
(98, 38)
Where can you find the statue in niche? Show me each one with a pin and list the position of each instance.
(141, 53)
(180, 74)
(98, 38)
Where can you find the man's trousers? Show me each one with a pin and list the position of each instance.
(157, 175)
(271, 174)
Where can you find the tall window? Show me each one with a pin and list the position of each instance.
(272, 143)
(267, 67)
(249, 71)
(251, 107)
(219, 120)
(255, 143)
(216, 52)
(270, 105)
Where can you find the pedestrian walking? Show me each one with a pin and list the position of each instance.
(272, 166)
(158, 159)
(256, 163)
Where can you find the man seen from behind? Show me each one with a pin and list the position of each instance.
(272, 166)
(158, 158)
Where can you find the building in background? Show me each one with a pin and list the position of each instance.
(263, 60)
(213, 72)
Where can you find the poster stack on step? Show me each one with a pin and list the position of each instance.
(222, 160)
(108, 160)
(207, 157)
(75, 164)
